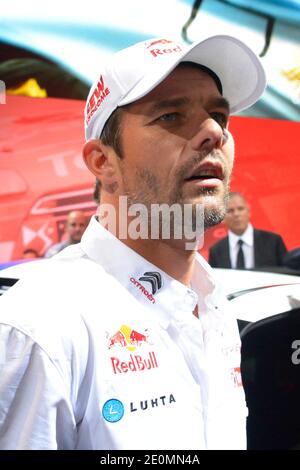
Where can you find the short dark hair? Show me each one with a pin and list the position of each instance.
(96, 194)
(111, 135)
(28, 251)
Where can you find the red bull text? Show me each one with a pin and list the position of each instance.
(135, 364)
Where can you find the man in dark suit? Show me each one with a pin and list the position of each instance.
(292, 259)
(245, 247)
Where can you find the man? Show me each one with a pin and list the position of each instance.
(126, 343)
(292, 259)
(245, 247)
(75, 226)
(30, 253)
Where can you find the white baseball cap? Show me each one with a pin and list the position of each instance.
(133, 72)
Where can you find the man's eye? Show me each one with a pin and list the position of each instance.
(220, 118)
(168, 117)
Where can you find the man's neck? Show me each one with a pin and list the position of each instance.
(169, 257)
(239, 233)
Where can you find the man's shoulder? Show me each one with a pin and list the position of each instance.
(59, 293)
(46, 294)
(266, 234)
(56, 248)
(39, 313)
(219, 244)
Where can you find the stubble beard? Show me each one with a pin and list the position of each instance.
(148, 190)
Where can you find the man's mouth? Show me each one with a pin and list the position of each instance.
(207, 171)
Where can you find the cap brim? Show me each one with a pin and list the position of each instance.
(240, 71)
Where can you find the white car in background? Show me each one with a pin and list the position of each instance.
(267, 307)
(235, 280)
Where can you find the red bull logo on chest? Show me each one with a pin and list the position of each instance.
(127, 338)
(131, 339)
(136, 363)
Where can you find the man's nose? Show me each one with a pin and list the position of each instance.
(208, 137)
(236, 214)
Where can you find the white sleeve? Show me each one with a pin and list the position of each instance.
(35, 405)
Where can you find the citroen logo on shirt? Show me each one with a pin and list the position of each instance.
(154, 278)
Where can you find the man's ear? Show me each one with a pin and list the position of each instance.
(95, 155)
(101, 161)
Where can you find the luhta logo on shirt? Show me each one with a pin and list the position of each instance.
(152, 403)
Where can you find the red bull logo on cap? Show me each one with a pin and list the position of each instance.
(158, 41)
(163, 46)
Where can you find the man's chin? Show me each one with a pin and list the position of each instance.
(214, 212)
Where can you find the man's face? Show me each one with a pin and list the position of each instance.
(237, 216)
(175, 147)
(76, 225)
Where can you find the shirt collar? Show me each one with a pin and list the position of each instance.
(247, 237)
(150, 285)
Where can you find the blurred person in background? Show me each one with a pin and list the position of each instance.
(30, 253)
(292, 259)
(75, 226)
(245, 247)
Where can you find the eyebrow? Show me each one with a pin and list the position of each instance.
(168, 103)
(219, 102)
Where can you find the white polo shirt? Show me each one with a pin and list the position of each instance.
(100, 350)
